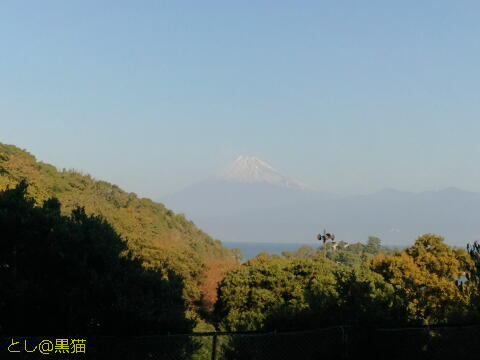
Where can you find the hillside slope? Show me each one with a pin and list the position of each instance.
(162, 237)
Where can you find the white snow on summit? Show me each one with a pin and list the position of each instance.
(249, 169)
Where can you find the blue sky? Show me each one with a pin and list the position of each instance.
(350, 96)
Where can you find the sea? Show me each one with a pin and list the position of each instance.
(252, 249)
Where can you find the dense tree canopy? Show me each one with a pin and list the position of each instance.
(161, 237)
(269, 285)
(426, 276)
(360, 287)
(74, 275)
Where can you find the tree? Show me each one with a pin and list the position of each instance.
(473, 276)
(267, 287)
(74, 275)
(426, 276)
(152, 231)
(373, 245)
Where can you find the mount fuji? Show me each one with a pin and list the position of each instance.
(244, 202)
(250, 169)
(249, 200)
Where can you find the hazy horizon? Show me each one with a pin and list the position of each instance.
(215, 175)
(211, 176)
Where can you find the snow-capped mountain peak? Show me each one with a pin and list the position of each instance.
(250, 169)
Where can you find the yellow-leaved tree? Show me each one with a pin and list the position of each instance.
(428, 277)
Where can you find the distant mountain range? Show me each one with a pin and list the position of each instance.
(251, 201)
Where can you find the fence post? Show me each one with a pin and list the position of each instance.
(214, 347)
(344, 343)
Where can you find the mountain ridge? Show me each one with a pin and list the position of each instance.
(262, 211)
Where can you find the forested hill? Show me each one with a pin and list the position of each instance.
(147, 226)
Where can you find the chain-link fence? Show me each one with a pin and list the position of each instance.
(339, 342)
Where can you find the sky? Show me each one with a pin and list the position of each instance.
(347, 96)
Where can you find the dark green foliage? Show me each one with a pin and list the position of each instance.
(272, 293)
(366, 299)
(472, 285)
(373, 245)
(305, 290)
(161, 237)
(352, 255)
(71, 275)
